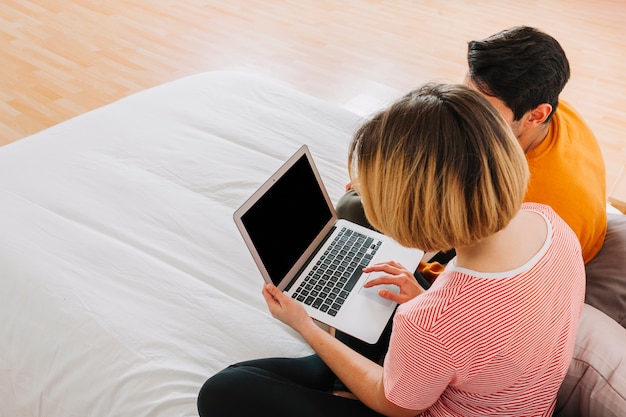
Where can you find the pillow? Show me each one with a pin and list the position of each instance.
(606, 273)
(595, 384)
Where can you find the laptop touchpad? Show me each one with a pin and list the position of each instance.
(372, 292)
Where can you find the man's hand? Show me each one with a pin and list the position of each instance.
(397, 275)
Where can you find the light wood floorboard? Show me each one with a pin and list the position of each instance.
(59, 59)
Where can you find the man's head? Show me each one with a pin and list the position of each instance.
(522, 69)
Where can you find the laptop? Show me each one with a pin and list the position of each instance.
(298, 243)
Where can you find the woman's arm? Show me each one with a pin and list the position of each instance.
(363, 377)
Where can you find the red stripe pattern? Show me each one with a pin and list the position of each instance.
(491, 344)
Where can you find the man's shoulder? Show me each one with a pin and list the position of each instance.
(568, 124)
(566, 113)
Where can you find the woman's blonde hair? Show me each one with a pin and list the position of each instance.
(438, 169)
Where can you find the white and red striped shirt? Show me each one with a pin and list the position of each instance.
(491, 344)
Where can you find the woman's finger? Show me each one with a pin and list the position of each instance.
(387, 267)
(383, 280)
(398, 298)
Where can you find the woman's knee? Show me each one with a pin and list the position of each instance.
(220, 392)
(350, 207)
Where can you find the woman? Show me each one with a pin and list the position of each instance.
(493, 336)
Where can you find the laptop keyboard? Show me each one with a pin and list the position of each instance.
(328, 284)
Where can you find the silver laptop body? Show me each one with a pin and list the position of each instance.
(288, 225)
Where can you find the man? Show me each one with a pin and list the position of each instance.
(522, 71)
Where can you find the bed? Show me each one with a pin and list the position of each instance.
(124, 282)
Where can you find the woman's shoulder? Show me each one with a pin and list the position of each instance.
(554, 222)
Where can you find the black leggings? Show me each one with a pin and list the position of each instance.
(277, 387)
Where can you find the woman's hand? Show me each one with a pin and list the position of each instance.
(286, 309)
(397, 275)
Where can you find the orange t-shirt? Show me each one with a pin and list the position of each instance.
(567, 173)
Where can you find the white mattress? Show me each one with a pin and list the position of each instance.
(124, 283)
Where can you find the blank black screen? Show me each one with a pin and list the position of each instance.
(283, 222)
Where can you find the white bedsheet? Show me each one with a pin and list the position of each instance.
(124, 283)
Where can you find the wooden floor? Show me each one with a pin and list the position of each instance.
(59, 59)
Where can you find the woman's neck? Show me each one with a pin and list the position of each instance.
(508, 249)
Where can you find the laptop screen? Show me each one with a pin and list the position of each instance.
(287, 218)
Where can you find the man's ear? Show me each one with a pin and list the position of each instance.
(540, 114)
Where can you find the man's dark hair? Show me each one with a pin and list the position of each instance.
(522, 66)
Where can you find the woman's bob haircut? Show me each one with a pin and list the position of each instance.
(438, 169)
